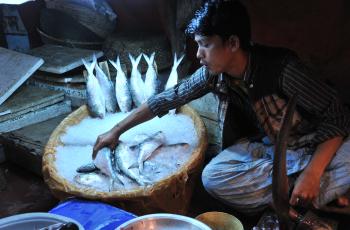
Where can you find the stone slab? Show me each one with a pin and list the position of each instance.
(28, 99)
(76, 93)
(60, 59)
(55, 78)
(25, 146)
(35, 116)
(16, 68)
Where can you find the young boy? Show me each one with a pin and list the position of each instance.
(256, 82)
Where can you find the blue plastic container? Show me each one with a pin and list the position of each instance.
(93, 215)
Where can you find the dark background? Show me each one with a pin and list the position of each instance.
(318, 30)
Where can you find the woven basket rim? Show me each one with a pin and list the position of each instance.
(58, 183)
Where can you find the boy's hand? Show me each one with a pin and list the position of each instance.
(306, 189)
(108, 139)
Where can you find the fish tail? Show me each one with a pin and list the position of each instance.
(89, 66)
(113, 64)
(138, 60)
(119, 66)
(132, 60)
(152, 57)
(177, 62)
(148, 60)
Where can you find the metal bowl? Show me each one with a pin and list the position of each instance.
(220, 221)
(163, 222)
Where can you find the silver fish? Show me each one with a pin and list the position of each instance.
(173, 76)
(137, 86)
(92, 180)
(107, 89)
(148, 146)
(166, 160)
(105, 161)
(95, 98)
(151, 82)
(122, 88)
(126, 157)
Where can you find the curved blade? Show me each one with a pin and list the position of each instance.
(280, 185)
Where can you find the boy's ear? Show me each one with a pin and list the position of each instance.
(234, 43)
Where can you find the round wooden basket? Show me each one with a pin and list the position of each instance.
(171, 194)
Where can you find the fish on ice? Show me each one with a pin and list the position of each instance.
(137, 86)
(173, 76)
(126, 157)
(95, 97)
(107, 89)
(148, 146)
(122, 88)
(151, 81)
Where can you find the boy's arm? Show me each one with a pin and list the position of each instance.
(307, 186)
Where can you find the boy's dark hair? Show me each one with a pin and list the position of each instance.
(222, 18)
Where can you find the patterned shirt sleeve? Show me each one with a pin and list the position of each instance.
(197, 85)
(320, 100)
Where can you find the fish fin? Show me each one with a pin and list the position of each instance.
(113, 64)
(177, 62)
(132, 60)
(88, 168)
(119, 66)
(89, 66)
(145, 180)
(134, 165)
(146, 58)
(152, 57)
(138, 59)
(134, 147)
(94, 58)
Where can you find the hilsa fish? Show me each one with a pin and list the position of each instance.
(107, 89)
(104, 163)
(122, 88)
(137, 86)
(173, 76)
(92, 180)
(151, 81)
(95, 98)
(125, 158)
(148, 146)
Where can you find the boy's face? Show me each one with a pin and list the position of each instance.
(212, 52)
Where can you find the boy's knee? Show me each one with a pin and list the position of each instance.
(207, 180)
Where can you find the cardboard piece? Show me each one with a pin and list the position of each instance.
(36, 116)
(28, 99)
(60, 59)
(16, 68)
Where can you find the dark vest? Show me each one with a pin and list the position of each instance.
(267, 64)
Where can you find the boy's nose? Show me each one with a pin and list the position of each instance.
(199, 54)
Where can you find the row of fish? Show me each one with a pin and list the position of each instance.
(103, 95)
(125, 166)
